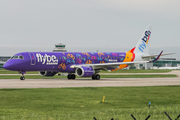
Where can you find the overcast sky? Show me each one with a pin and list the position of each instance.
(88, 25)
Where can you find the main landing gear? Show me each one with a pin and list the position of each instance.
(71, 76)
(96, 77)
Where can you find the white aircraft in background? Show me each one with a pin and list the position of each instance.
(170, 68)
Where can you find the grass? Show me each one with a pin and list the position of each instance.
(102, 76)
(85, 103)
(3, 71)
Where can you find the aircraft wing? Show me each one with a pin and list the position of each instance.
(106, 65)
(115, 65)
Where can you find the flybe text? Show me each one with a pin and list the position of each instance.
(146, 36)
(47, 59)
(145, 40)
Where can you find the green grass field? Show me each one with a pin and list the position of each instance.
(3, 71)
(86, 103)
(102, 76)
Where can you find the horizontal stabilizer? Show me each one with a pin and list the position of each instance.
(152, 56)
(157, 57)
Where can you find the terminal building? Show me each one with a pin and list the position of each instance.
(3, 59)
(162, 62)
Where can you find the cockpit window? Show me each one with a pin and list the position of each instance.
(15, 57)
(21, 57)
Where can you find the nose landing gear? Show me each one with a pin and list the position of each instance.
(22, 77)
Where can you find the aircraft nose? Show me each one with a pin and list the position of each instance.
(7, 66)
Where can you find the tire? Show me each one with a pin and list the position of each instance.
(69, 76)
(97, 77)
(93, 77)
(73, 76)
(22, 78)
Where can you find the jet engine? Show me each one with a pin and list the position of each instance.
(47, 73)
(84, 71)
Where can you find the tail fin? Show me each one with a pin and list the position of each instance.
(143, 44)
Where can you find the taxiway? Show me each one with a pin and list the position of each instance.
(87, 82)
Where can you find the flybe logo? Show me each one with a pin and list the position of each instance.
(145, 40)
(47, 59)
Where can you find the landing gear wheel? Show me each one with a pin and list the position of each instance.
(93, 77)
(71, 76)
(22, 78)
(97, 77)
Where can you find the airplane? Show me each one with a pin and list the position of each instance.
(83, 64)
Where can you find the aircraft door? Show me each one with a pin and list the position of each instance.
(33, 58)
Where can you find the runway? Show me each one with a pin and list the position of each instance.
(87, 82)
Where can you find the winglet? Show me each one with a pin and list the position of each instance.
(157, 57)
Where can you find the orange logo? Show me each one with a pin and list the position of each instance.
(62, 65)
(88, 62)
(70, 56)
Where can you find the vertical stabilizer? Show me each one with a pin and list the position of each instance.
(143, 44)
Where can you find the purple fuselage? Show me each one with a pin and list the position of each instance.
(60, 61)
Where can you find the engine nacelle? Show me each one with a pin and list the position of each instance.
(84, 71)
(47, 73)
